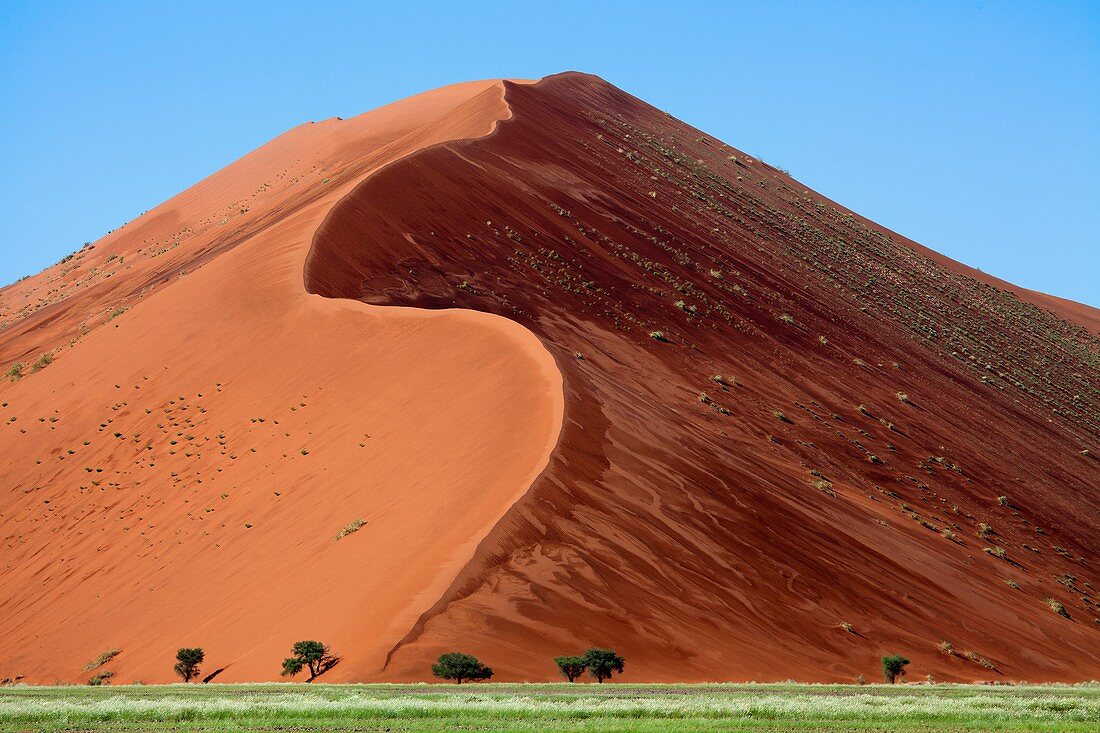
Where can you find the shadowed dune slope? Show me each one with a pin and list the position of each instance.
(641, 390)
(874, 403)
(179, 475)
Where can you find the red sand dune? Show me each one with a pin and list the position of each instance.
(538, 473)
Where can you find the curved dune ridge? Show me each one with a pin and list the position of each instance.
(234, 424)
(587, 375)
(876, 400)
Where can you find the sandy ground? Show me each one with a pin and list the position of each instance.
(201, 451)
(534, 437)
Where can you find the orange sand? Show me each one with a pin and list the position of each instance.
(290, 416)
(522, 501)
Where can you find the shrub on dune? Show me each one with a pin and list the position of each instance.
(102, 659)
(103, 678)
(311, 655)
(188, 660)
(1057, 606)
(42, 362)
(893, 667)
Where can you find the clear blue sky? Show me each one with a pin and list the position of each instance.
(971, 127)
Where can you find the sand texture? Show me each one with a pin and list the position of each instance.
(585, 374)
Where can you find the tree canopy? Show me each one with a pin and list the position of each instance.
(312, 655)
(571, 667)
(601, 663)
(893, 667)
(188, 660)
(457, 666)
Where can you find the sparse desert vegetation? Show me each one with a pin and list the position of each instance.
(188, 660)
(102, 659)
(100, 678)
(311, 655)
(351, 527)
(42, 362)
(893, 666)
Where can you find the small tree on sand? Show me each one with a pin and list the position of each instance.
(893, 667)
(312, 655)
(602, 662)
(457, 666)
(188, 660)
(571, 667)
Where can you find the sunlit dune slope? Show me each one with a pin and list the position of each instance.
(179, 475)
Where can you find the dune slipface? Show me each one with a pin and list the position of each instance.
(587, 375)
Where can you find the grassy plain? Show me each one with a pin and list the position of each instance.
(552, 707)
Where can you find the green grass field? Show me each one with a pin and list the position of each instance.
(557, 707)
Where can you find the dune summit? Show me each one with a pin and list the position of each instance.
(520, 368)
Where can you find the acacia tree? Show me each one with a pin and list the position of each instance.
(188, 660)
(571, 667)
(601, 663)
(457, 666)
(312, 655)
(893, 667)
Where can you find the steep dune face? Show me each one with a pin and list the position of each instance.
(875, 403)
(535, 438)
(180, 474)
